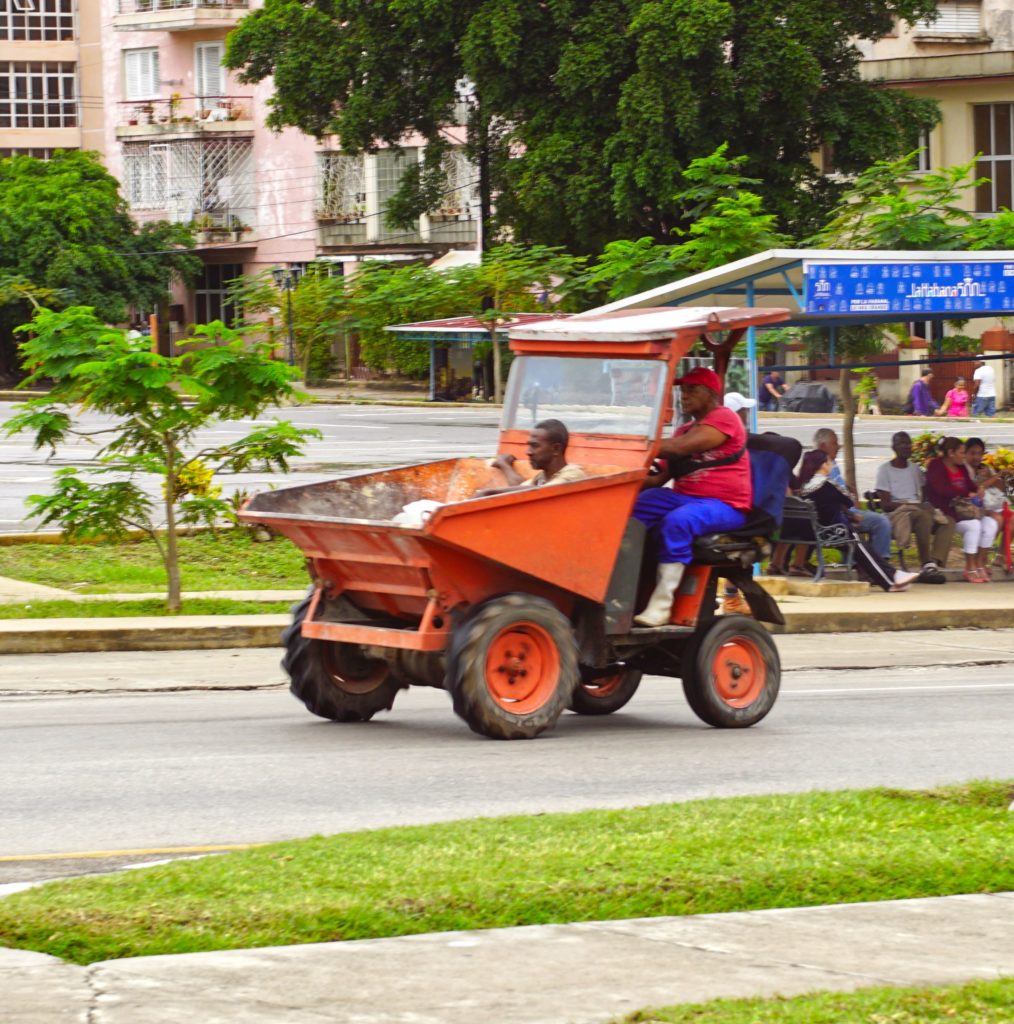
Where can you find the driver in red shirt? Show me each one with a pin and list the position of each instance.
(703, 498)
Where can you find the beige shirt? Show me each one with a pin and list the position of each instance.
(568, 473)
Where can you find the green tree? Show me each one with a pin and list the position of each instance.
(582, 117)
(890, 205)
(319, 315)
(727, 222)
(159, 404)
(65, 228)
(514, 279)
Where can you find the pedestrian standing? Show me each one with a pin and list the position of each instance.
(984, 382)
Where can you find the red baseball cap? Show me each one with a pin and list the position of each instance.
(704, 377)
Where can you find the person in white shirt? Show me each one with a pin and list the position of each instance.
(900, 488)
(984, 403)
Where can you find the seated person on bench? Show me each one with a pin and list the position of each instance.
(707, 459)
(547, 447)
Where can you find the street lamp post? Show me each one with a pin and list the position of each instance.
(286, 278)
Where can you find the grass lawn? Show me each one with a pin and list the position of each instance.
(229, 562)
(978, 1002)
(700, 857)
(128, 609)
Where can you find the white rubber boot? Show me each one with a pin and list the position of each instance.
(658, 610)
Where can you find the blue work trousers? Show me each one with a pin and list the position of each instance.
(681, 517)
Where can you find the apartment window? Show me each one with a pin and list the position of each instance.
(36, 20)
(209, 84)
(211, 293)
(37, 94)
(922, 158)
(954, 17)
(994, 131)
(140, 74)
(341, 186)
(37, 152)
(145, 170)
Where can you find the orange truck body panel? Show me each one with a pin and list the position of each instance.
(558, 541)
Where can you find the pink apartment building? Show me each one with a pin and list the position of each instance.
(188, 143)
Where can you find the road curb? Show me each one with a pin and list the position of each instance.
(899, 621)
(19, 636)
(42, 636)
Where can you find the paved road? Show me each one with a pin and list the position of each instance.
(363, 437)
(124, 771)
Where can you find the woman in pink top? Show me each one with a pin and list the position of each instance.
(947, 479)
(956, 400)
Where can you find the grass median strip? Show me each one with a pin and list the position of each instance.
(978, 1002)
(230, 561)
(129, 609)
(701, 857)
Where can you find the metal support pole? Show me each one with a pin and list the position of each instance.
(751, 356)
(288, 304)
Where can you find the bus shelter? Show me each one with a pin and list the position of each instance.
(452, 345)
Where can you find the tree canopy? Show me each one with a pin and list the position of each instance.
(587, 114)
(65, 229)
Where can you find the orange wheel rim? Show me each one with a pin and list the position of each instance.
(522, 668)
(604, 687)
(366, 682)
(739, 672)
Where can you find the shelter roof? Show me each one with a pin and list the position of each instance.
(466, 325)
(775, 278)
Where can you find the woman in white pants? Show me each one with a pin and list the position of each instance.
(947, 479)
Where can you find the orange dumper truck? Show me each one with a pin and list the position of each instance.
(521, 604)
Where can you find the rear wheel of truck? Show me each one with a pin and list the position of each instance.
(513, 667)
(335, 681)
(732, 673)
(606, 695)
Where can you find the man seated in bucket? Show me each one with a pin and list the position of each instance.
(710, 469)
(547, 447)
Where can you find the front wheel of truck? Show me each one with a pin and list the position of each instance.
(732, 673)
(513, 667)
(335, 681)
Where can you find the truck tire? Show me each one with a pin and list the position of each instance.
(606, 695)
(512, 667)
(732, 673)
(335, 681)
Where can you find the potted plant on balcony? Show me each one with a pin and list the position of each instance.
(239, 229)
(202, 225)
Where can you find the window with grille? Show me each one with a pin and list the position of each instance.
(145, 169)
(211, 179)
(993, 126)
(140, 74)
(959, 17)
(37, 20)
(211, 294)
(341, 186)
(38, 94)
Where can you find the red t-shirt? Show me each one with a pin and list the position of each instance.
(730, 483)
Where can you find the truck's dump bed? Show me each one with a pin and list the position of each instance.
(559, 536)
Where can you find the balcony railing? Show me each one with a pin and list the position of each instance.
(177, 15)
(185, 114)
(150, 6)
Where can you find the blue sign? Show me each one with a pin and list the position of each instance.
(963, 287)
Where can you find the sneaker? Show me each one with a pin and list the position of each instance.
(735, 604)
(903, 580)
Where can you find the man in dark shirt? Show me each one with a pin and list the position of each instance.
(772, 390)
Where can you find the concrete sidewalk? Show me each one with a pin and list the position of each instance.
(583, 973)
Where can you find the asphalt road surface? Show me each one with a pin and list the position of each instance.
(358, 438)
(115, 771)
